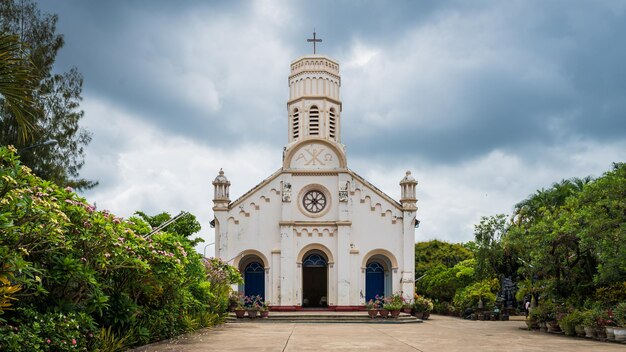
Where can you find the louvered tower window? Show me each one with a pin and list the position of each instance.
(296, 123)
(332, 123)
(314, 121)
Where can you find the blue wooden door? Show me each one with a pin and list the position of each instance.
(374, 281)
(254, 280)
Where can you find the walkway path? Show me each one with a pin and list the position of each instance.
(437, 334)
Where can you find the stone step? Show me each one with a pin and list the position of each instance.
(324, 317)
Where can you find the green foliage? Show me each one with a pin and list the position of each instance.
(570, 320)
(494, 254)
(431, 254)
(34, 331)
(395, 302)
(18, 79)
(442, 283)
(619, 314)
(422, 304)
(66, 256)
(469, 296)
(572, 235)
(53, 107)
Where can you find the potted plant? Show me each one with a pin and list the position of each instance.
(239, 305)
(251, 305)
(532, 320)
(569, 321)
(590, 323)
(551, 311)
(381, 308)
(264, 309)
(372, 308)
(407, 308)
(394, 305)
(422, 307)
(619, 315)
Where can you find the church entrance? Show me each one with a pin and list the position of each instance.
(253, 276)
(377, 277)
(374, 281)
(315, 280)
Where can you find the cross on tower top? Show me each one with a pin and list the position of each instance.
(314, 40)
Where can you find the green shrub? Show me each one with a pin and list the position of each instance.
(33, 331)
(570, 320)
(619, 314)
(469, 296)
(60, 254)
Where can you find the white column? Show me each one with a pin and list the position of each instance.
(275, 277)
(287, 266)
(408, 255)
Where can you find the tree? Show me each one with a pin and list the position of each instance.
(432, 253)
(17, 83)
(494, 257)
(185, 226)
(55, 100)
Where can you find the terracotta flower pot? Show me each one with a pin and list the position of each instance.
(419, 315)
(265, 314)
(425, 315)
(372, 313)
(252, 313)
(395, 313)
(240, 313)
(407, 310)
(384, 313)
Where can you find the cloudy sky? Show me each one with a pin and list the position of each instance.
(485, 101)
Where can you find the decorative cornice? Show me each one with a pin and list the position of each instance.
(315, 223)
(315, 172)
(314, 97)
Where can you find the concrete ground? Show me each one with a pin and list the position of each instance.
(436, 334)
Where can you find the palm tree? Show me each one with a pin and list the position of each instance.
(18, 82)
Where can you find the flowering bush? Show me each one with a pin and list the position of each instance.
(395, 302)
(60, 254)
(422, 304)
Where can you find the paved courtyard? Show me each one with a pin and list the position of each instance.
(434, 335)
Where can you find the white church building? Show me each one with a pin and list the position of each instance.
(315, 233)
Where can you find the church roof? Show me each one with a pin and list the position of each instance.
(352, 173)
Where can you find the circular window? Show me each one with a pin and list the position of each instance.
(314, 201)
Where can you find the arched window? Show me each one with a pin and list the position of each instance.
(332, 123)
(314, 121)
(314, 261)
(296, 123)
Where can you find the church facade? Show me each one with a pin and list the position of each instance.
(314, 233)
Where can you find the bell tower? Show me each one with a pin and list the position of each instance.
(314, 106)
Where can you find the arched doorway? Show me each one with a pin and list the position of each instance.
(254, 280)
(315, 280)
(374, 280)
(253, 273)
(377, 277)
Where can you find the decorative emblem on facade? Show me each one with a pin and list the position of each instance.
(286, 192)
(343, 193)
